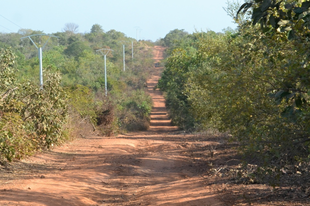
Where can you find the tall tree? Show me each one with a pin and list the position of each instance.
(71, 28)
(96, 28)
(174, 35)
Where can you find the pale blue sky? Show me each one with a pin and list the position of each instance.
(154, 18)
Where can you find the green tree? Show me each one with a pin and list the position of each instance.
(76, 49)
(174, 36)
(96, 29)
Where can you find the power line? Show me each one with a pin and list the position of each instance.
(11, 21)
(6, 28)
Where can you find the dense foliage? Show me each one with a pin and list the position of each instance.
(253, 83)
(30, 118)
(73, 94)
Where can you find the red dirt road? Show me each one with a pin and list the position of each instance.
(158, 53)
(160, 120)
(155, 167)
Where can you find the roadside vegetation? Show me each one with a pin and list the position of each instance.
(252, 82)
(72, 102)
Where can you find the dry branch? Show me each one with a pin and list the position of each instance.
(5, 94)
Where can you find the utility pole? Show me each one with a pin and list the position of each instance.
(40, 53)
(105, 52)
(124, 55)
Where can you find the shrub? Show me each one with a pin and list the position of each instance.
(30, 118)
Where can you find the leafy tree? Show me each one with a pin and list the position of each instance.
(30, 118)
(115, 34)
(232, 8)
(253, 83)
(76, 49)
(96, 29)
(25, 32)
(173, 82)
(173, 36)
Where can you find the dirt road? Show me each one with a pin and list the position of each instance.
(156, 167)
(160, 121)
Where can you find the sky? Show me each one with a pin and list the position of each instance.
(139, 19)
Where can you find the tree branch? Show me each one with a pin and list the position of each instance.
(5, 94)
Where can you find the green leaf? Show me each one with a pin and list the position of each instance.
(291, 35)
(305, 5)
(265, 5)
(289, 6)
(298, 10)
(257, 15)
(279, 94)
(298, 102)
(273, 22)
(244, 7)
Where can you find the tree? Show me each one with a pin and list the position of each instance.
(232, 8)
(174, 36)
(115, 34)
(71, 28)
(253, 84)
(76, 49)
(96, 28)
(288, 17)
(25, 32)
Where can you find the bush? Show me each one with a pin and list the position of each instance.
(45, 111)
(31, 118)
(253, 84)
(15, 143)
(133, 111)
